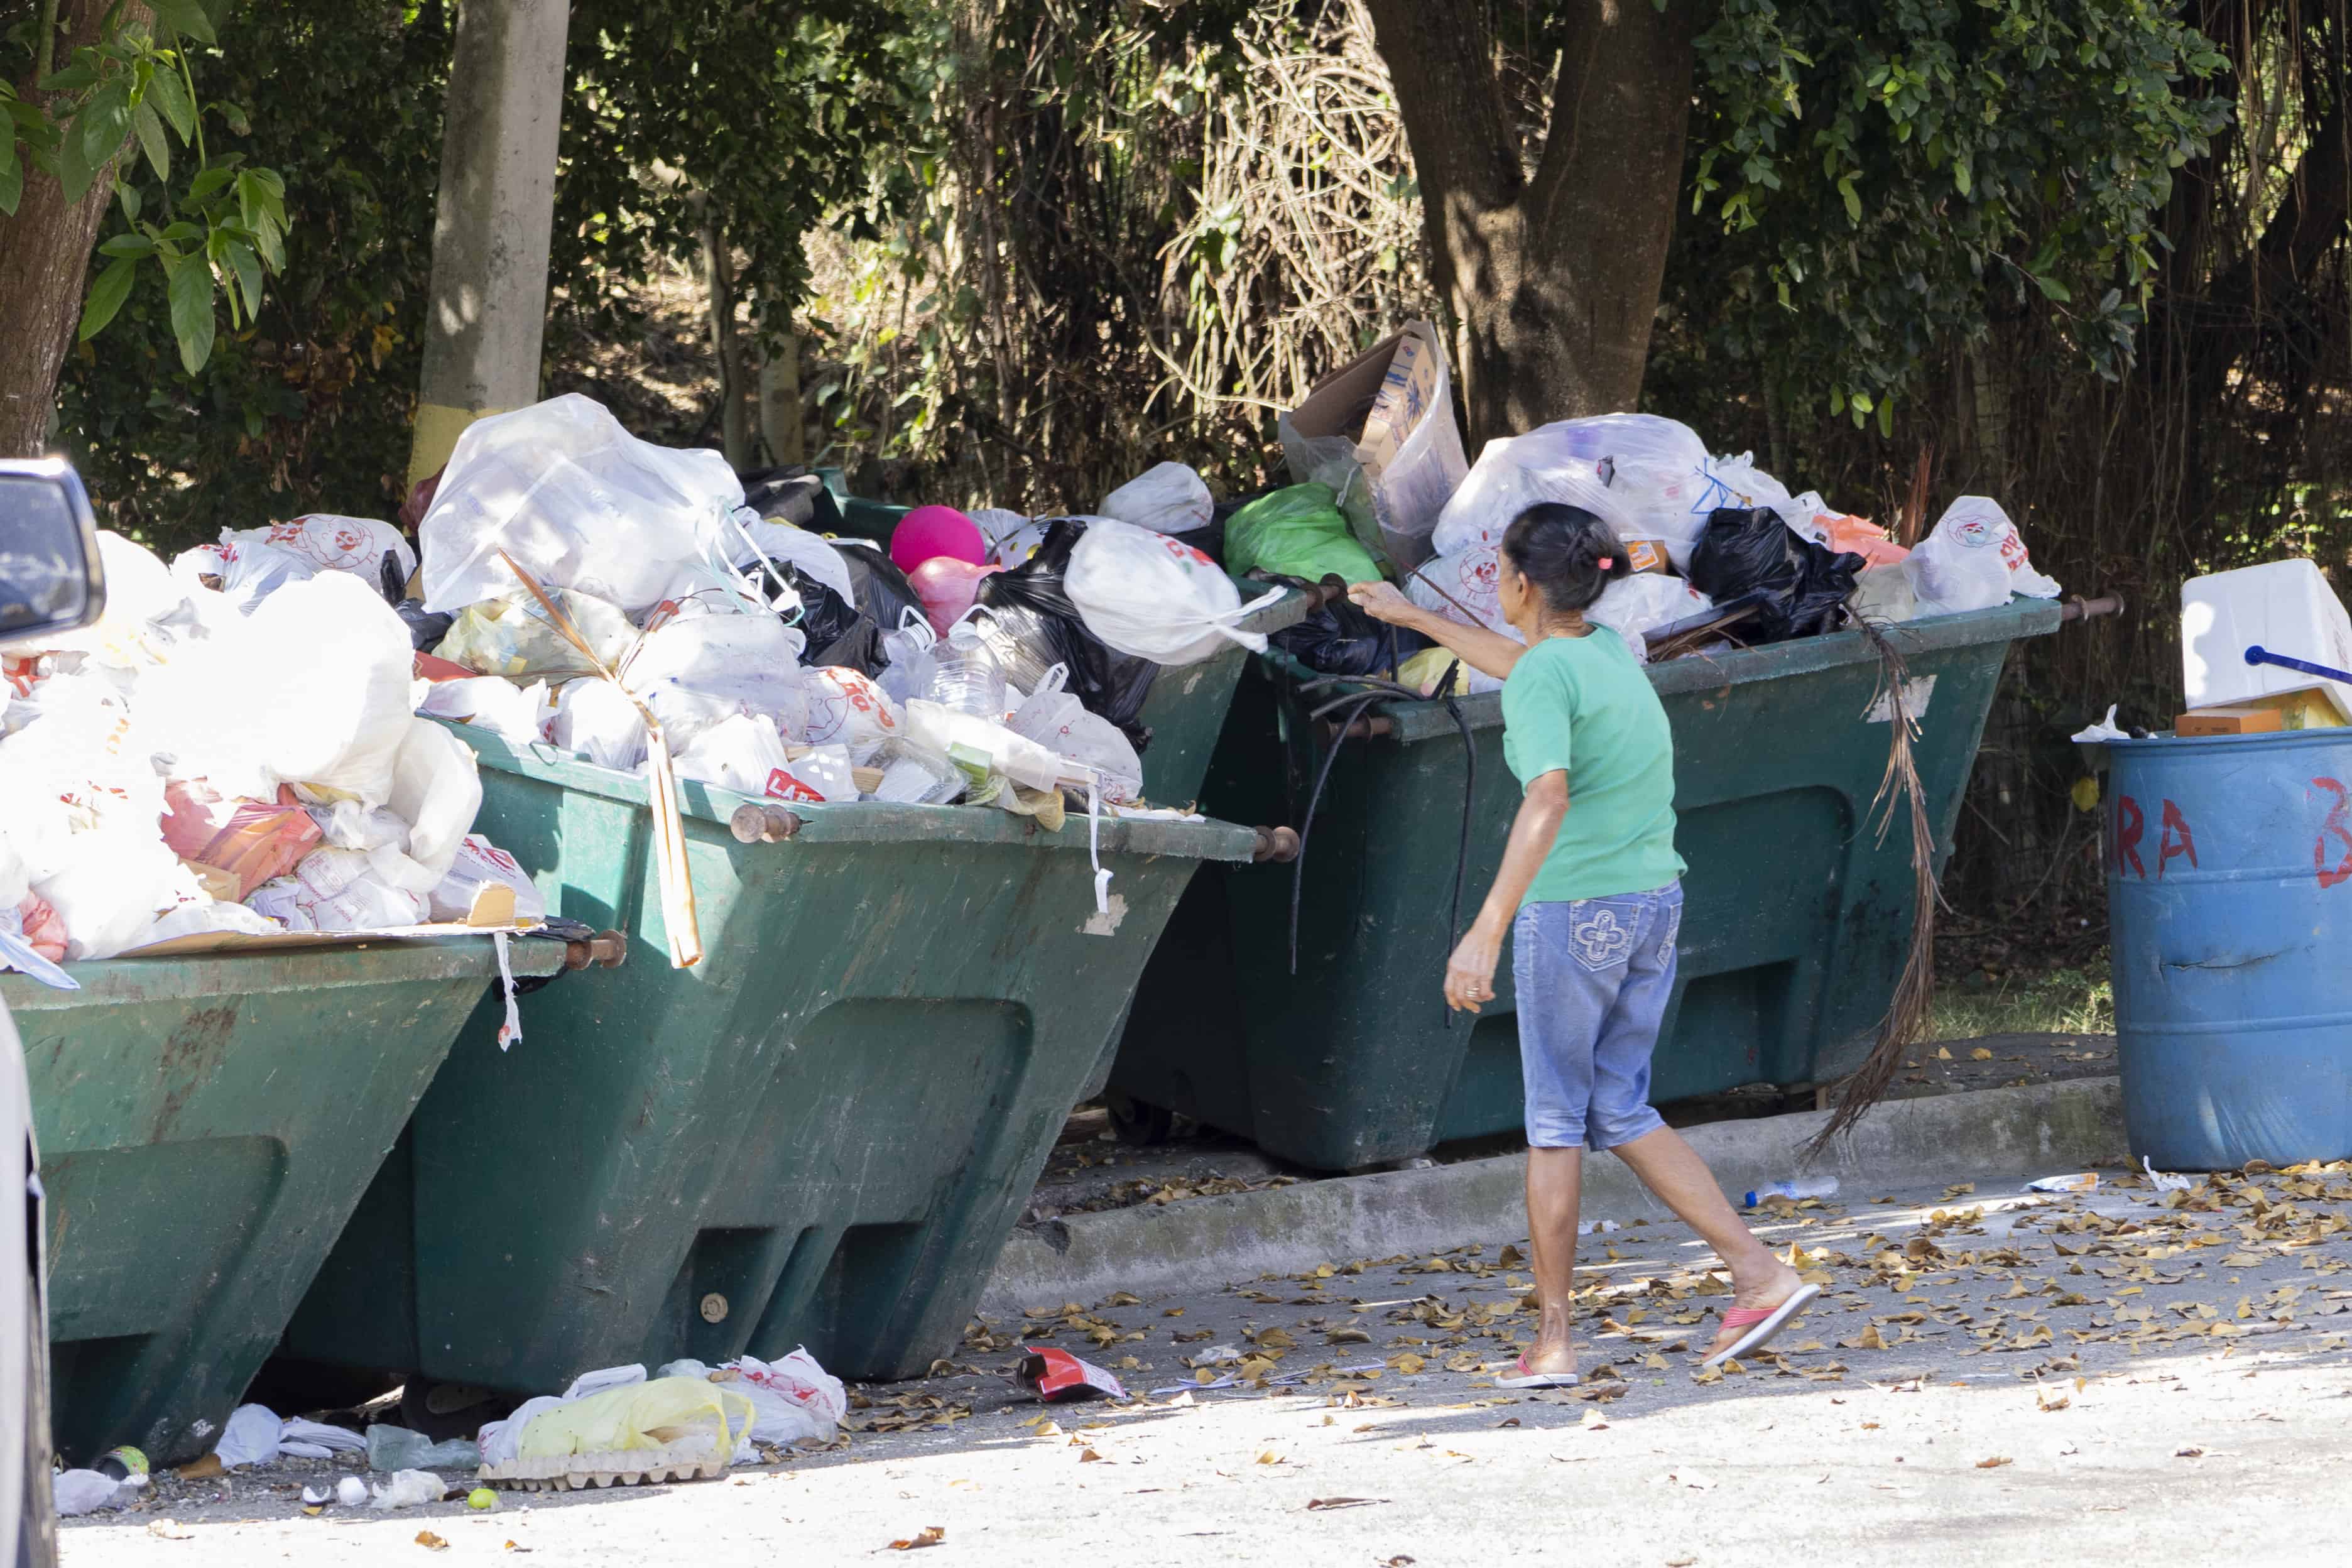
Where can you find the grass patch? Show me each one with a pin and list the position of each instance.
(2074, 1001)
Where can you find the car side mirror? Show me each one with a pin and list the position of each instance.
(50, 578)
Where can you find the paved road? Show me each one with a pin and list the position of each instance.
(2122, 1377)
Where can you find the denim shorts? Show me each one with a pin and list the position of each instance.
(1592, 977)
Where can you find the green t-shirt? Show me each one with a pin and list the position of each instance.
(1585, 706)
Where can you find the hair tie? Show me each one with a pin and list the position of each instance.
(1606, 561)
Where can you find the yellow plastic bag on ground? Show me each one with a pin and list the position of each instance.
(642, 1415)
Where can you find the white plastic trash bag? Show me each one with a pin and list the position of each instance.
(479, 863)
(437, 789)
(332, 704)
(1168, 498)
(1058, 721)
(1516, 472)
(597, 722)
(578, 502)
(1647, 602)
(1156, 597)
(518, 715)
(1461, 587)
(749, 539)
(513, 637)
(250, 564)
(694, 671)
(1972, 559)
(740, 753)
(338, 889)
(850, 709)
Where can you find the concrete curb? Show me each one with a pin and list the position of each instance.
(1992, 1136)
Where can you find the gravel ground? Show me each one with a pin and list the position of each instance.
(1993, 1375)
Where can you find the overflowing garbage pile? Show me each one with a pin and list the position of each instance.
(1723, 554)
(232, 749)
(589, 589)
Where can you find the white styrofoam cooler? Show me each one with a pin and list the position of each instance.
(2286, 607)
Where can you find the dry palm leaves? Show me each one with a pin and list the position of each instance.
(1906, 1015)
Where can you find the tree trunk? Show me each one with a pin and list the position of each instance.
(1551, 266)
(783, 418)
(45, 266)
(726, 345)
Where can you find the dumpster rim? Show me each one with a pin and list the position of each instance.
(131, 979)
(2008, 623)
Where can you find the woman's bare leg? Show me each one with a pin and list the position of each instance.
(1672, 1169)
(1555, 1191)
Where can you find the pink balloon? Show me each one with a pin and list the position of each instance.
(947, 587)
(929, 532)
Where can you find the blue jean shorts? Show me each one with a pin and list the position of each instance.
(1592, 978)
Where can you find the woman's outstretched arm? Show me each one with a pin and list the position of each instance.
(1488, 653)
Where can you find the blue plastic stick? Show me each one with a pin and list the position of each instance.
(2258, 654)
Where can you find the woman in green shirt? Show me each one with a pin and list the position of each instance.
(1590, 891)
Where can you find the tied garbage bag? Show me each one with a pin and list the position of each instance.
(1547, 464)
(1296, 532)
(437, 789)
(1462, 587)
(1805, 585)
(516, 714)
(1152, 597)
(248, 564)
(337, 707)
(696, 671)
(1030, 625)
(1167, 498)
(578, 502)
(1973, 559)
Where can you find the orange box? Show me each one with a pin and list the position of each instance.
(2235, 719)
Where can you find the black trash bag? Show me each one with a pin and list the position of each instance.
(425, 631)
(1340, 639)
(882, 591)
(838, 632)
(1805, 584)
(1031, 625)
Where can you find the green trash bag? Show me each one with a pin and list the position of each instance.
(1296, 532)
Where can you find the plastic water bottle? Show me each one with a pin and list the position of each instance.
(966, 677)
(1810, 1187)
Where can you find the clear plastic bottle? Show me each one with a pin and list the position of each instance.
(966, 677)
(1809, 1187)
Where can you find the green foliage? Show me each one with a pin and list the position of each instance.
(1873, 181)
(304, 401)
(136, 87)
(769, 120)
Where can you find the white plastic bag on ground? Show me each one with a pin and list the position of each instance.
(848, 708)
(1155, 597)
(1516, 472)
(794, 1398)
(77, 1492)
(437, 789)
(513, 637)
(1647, 602)
(596, 721)
(1167, 498)
(479, 863)
(1972, 559)
(1056, 719)
(250, 1436)
(579, 504)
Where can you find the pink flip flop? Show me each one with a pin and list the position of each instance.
(1761, 1323)
(1526, 1379)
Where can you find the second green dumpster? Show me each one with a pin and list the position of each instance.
(822, 1134)
(206, 1122)
(1797, 920)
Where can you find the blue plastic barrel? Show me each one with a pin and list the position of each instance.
(2229, 864)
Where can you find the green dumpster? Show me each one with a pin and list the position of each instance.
(1796, 925)
(822, 1134)
(207, 1124)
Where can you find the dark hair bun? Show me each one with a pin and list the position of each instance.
(1567, 552)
